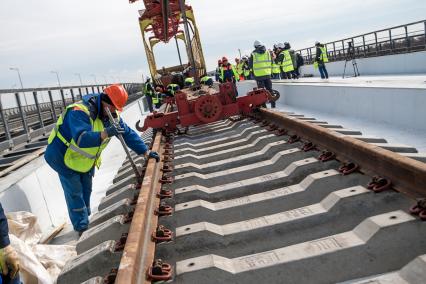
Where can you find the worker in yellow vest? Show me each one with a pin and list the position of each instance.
(320, 59)
(261, 64)
(239, 65)
(76, 142)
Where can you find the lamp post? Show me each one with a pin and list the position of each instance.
(79, 76)
(94, 77)
(57, 77)
(20, 81)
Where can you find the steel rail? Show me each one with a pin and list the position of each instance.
(407, 175)
(138, 252)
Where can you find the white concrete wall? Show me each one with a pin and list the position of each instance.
(399, 107)
(409, 63)
(36, 187)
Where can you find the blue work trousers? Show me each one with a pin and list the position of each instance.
(5, 279)
(77, 189)
(323, 71)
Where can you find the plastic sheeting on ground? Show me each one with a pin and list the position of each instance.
(40, 264)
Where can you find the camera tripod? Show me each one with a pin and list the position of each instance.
(354, 65)
(350, 56)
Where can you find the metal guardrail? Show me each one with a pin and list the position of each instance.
(399, 39)
(27, 112)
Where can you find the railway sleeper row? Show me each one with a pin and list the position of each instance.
(246, 202)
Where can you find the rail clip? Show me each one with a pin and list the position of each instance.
(419, 209)
(161, 235)
(159, 271)
(379, 184)
(348, 168)
(308, 146)
(163, 210)
(293, 139)
(326, 156)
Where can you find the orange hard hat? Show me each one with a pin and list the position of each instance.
(118, 95)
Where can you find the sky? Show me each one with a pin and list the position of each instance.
(101, 41)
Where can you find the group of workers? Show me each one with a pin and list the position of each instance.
(156, 94)
(285, 64)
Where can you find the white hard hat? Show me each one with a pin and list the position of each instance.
(317, 42)
(280, 45)
(257, 43)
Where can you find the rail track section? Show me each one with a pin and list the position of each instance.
(275, 198)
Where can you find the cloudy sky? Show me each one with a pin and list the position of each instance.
(100, 39)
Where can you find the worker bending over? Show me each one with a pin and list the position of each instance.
(76, 143)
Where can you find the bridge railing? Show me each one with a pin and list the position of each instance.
(29, 113)
(399, 39)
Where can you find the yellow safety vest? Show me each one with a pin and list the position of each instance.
(76, 158)
(156, 98)
(275, 68)
(323, 56)
(172, 88)
(287, 63)
(240, 68)
(262, 64)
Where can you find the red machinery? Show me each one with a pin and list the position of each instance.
(206, 106)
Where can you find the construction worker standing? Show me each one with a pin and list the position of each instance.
(218, 71)
(239, 65)
(75, 145)
(246, 68)
(261, 64)
(9, 262)
(320, 59)
(148, 91)
(287, 61)
(228, 71)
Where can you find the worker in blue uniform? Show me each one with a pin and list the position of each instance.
(76, 143)
(9, 262)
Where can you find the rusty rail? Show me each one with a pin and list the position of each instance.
(138, 253)
(407, 175)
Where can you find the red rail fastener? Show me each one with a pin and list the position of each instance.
(419, 209)
(265, 122)
(167, 159)
(379, 184)
(119, 245)
(165, 193)
(110, 277)
(280, 132)
(167, 168)
(348, 168)
(308, 146)
(326, 156)
(168, 152)
(161, 235)
(163, 210)
(165, 180)
(293, 139)
(272, 127)
(159, 271)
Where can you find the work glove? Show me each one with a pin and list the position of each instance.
(153, 154)
(9, 261)
(114, 130)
